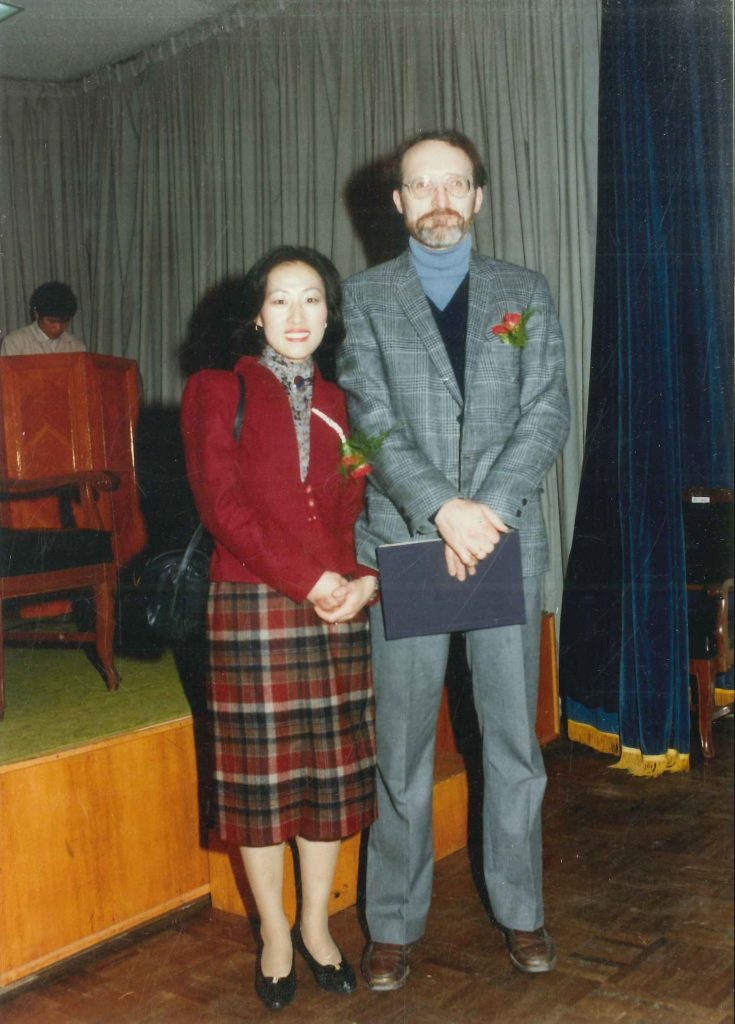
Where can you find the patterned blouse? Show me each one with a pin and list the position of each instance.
(297, 377)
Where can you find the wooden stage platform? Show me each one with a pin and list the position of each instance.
(100, 839)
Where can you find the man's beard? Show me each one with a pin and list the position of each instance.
(440, 229)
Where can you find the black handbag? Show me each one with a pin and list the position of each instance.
(175, 585)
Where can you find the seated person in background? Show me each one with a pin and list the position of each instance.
(53, 304)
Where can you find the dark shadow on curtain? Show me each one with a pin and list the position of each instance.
(374, 216)
(660, 405)
(208, 343)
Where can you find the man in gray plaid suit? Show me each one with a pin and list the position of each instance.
(461, 358)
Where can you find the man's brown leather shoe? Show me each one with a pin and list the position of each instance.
(385, 966)
(531, 952)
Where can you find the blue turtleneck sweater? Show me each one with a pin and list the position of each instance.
(441, 271)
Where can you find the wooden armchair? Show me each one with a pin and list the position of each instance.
(61, 560)
(708, 530)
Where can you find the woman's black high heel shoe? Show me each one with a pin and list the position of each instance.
(338, 978)
(275, 993)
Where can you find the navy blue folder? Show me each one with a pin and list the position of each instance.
(419, 597)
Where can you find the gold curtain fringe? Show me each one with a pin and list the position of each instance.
(723, 697)
(631, 760)
(605, 742)
(651, 765)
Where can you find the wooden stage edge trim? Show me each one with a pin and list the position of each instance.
(28, 971)
(108, 741)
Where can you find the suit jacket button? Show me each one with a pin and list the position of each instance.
(525, 501)
(460, 419)
(518, 513)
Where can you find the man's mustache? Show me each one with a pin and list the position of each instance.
(445, 212)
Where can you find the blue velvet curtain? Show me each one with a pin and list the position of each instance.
(660, 398)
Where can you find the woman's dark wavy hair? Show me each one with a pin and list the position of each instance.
(452, 137)
(250, 341)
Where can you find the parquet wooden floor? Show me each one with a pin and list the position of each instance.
(639, 900)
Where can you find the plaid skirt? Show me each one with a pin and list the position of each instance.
(293, 719)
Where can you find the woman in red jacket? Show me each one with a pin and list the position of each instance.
(289, 686)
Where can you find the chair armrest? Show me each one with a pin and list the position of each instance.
(88, 482)
(720, 589)
(101, 479)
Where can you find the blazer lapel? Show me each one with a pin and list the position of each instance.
(415, 305)
(478, 315)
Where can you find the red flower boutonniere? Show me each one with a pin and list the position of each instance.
(357, 451)
(512, 330)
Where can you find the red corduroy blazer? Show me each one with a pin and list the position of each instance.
(269, 526)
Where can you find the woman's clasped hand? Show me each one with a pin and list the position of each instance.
(337, 599)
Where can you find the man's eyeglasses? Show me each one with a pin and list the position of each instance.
(424, 185)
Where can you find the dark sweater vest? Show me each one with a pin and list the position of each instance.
(452, 324)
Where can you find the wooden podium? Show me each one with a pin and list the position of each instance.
(62, 413)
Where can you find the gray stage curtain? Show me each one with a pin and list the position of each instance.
(148, 182)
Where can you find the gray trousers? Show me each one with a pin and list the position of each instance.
(408, 678)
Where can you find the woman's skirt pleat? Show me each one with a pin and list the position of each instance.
(293, 718)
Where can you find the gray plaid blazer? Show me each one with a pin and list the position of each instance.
(495, 447)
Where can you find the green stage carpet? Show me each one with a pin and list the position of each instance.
(55, 699)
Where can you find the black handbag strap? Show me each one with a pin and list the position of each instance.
(236, 432)
(189, 551)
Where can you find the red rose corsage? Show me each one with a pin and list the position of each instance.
(512, 329)
(357, 451)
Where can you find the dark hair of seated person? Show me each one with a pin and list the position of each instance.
(54, 299)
